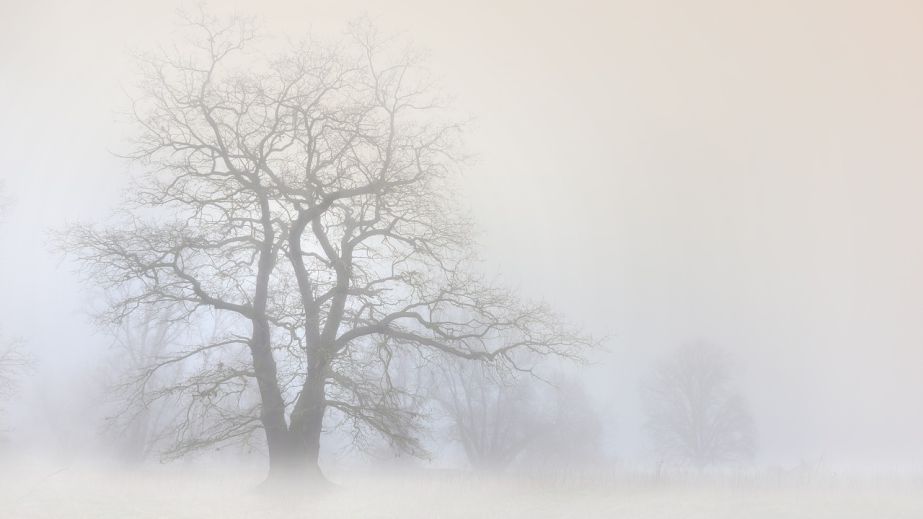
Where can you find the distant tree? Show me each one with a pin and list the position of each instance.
(694, 414)
(408, 375)
(571, 433)
(503, 417)
(305, 196)
(14, 360)
(140, 416)
(493, 415)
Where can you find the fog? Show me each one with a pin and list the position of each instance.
(737, 178)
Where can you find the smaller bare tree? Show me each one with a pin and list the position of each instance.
(405, 381)
(13, 361)
(139, 340)
(493, 414)
(161, 395)
(571, 432)
(694, 414)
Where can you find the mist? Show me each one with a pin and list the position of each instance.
(595, 258)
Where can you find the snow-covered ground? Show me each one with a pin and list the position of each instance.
(177, 492)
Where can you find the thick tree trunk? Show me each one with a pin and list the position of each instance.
(289, 464)
(308, 417)
(287, 459)
(293, 450)
(272, 408)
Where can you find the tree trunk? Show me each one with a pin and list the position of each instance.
(272, 408)
(308, 418)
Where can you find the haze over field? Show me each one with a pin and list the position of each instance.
(686, 219)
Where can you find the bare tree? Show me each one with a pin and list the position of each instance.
(307, 197)
(139, 419)
(409, 377)
(694, 414)
(503, 418)
(493, 415)
(571, 433)
(14, 361)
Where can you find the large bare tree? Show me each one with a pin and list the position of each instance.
(694, 413)
(307, 197)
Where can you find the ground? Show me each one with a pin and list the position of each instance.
(229, 493)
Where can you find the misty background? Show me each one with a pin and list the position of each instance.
(737, 173)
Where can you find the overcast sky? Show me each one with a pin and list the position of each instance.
(743, 173)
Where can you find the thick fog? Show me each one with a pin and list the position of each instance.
(668, 177)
